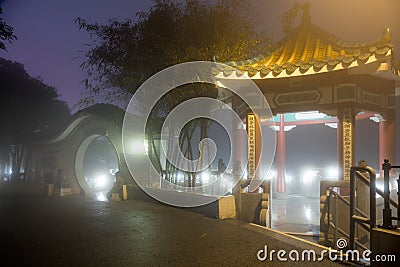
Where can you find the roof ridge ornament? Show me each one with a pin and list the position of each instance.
(387, 34)
(307, 49)
(306, 18)
(298, 15)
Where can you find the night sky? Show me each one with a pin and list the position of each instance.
(49, 40)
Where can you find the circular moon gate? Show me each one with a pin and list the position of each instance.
(94, 169)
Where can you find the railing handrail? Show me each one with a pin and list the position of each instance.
(379, 191)
(387, 212)
(345, 201)
(356, 215)
(372, 201)
(332, 223)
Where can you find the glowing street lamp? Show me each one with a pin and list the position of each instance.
(205, 177)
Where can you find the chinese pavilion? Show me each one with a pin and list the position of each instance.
(311, 69)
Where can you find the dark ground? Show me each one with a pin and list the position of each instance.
(77, 231)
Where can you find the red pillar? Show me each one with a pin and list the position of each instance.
(339, 132)
(387, 136)
(281, 157)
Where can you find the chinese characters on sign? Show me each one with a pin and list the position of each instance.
(251, 132)
(347, 143)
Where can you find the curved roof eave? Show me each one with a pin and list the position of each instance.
(309, 50)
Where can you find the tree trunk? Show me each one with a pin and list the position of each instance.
(4, 159)
(16, 153)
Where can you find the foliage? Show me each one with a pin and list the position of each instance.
(29, 110)
(6, 33)
(124, 54)
(112, 113)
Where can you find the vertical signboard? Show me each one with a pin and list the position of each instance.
(251, 145)
(347, 143)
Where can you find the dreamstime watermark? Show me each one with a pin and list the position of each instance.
(148, 95)
(310, 255)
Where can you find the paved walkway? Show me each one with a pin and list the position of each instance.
(77, 231)
(298, 214)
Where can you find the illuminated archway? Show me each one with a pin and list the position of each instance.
(66, 151)
(93, 175)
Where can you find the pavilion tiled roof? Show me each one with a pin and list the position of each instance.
(309, 49)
